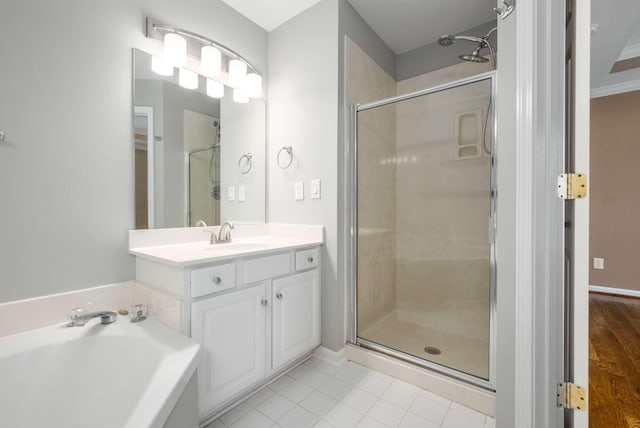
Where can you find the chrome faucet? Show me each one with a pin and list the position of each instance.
(200, 223)
(77, 318)
(224, 234)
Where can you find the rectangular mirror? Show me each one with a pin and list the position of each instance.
(197, 158)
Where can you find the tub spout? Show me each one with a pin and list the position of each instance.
(77, 318)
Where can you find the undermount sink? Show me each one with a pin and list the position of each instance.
(238, 246)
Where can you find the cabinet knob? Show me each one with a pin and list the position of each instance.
(264, 302)
(217, 280)
(279, 296)
(310, 259)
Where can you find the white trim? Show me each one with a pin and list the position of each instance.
(326, 354)
(524, 321)
(613, 290)
(617, 88)
(629, 52)
(147, 111)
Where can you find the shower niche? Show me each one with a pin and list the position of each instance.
(468, 134)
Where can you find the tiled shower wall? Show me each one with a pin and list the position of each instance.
(376, 188)
(423, 216)
(442, 254)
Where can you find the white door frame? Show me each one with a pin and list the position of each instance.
(531, 131)
(147, 111)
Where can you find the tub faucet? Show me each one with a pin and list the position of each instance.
(77, 318)
(224, 235)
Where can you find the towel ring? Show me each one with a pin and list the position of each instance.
(289, 151)
(248, 163)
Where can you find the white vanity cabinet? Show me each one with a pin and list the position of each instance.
(295, 316)
(254, 315)
(232, 329)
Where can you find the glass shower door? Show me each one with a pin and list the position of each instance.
(424, 254)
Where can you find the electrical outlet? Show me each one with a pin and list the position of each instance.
(231, 193)
(315, 189)
(299, 190)
(598, 263)
(241, 193)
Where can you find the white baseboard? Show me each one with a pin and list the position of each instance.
(326, 354)
(611, 290)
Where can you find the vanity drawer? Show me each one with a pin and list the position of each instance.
(307, 259)
(262, 268)
(213, 279)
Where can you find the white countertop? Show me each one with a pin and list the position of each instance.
(203, 252)
(177, 247)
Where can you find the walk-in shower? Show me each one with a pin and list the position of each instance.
(423, 221)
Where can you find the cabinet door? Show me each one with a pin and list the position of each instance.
(232, 331)
(296, 316)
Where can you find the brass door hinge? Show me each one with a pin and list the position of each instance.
(572, 186)
(572, 396)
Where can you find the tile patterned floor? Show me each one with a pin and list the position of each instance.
(323, 395)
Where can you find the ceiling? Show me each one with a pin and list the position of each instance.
(407, 24)
(270, 14)
(616, 36)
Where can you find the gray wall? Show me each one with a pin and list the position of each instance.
(67, 168)
(432, 56)
(353, 26)
(303, 114)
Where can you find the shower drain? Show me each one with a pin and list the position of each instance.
(432, 350)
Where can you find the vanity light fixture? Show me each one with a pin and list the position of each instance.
(175, 49)
(240, 96)
(215, 89)
(161, 67)
(210, 61)
(254, 85)
(207, 58)
(188, 79)
(237, 73)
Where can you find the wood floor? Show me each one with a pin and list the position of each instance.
(614, 357)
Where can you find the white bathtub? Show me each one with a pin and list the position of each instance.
(99, 376)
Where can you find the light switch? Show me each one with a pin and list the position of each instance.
(241, 191)
(231, 193)
(315, 189)
(299, 190)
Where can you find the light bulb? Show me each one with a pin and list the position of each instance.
(210, 61)
(161, 67)
(175, 49)
(215, 89)
(240, 96)
(188, 79)
(237, 73)
(254, 85)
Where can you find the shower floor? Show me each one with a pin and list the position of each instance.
(459, 352)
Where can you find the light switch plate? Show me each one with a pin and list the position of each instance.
(299, 190)
(241, 193)
(315, 189)
(231, 193)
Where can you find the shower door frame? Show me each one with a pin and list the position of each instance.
(352, 227)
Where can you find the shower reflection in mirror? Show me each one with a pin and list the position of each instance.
(187, 146)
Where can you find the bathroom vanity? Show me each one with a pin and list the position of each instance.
(252, 304)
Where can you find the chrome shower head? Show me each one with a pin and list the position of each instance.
(474, 56)
(446, 40)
